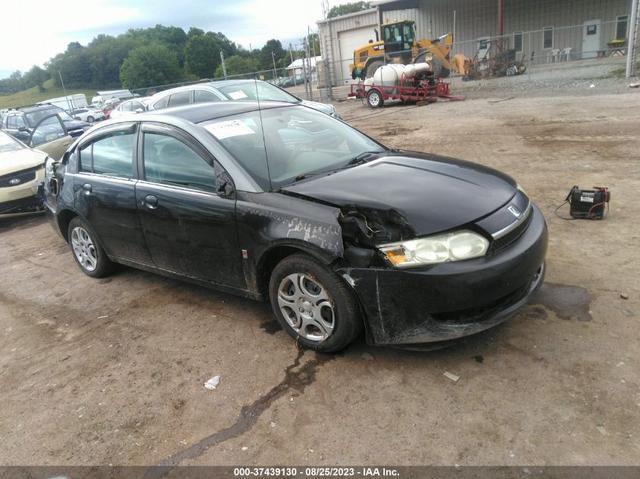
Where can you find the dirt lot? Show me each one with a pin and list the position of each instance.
(111, 371)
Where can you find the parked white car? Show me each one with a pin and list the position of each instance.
(231, 90)
(87, 114)
(129, 107)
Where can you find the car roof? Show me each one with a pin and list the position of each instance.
(201, 112)
(45, 106)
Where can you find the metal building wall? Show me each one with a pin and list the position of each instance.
(477, 18)
(328, 31)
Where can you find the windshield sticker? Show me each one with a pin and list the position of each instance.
(229, 129)
(238, 95)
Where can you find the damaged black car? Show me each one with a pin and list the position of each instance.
(279, 202)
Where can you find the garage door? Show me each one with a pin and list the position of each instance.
(349, 41)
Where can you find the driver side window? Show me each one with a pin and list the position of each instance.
(169, 161)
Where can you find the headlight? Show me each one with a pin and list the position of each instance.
(456, 246)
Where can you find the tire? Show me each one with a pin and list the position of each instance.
(371, 68)
(375, 99)
(90, 119)
(299, 287)
(86, 249)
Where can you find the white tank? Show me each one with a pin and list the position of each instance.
(390, 75)
(414, 69)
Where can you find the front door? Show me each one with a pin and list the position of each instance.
(591, 39)
(104, 192)
(189, 225)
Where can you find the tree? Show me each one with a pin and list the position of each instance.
(35, 77)
(106, 55)
(74, 65)
(150, 65)
(345, 8)
(202, 52)
(201, 56)
(237, 65)
(272, 46)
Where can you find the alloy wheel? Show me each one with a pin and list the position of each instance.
(306, 306)
(84, 249)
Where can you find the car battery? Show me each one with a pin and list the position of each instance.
(588, 204)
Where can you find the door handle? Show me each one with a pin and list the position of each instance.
(87, 188)
(151, 202)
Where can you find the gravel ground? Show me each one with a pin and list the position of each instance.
(111, 371)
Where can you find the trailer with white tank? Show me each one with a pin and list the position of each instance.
(414, 82)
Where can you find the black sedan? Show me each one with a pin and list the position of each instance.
(277, 201)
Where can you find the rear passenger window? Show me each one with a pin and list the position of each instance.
(182, 98)
(168, 160)
(203, 96)
(110, 155)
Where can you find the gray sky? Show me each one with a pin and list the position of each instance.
(36, 30)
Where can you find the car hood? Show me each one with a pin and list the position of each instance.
(429, 193)
(321, 107)
(13, 161)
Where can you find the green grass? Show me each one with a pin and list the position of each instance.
(621, 72)
(34, 95)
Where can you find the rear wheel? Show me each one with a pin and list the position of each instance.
(87, 252)
(313, 304)
(374, 98)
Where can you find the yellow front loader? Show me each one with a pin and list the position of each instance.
(399, 45)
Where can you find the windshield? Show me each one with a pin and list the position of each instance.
(35, 116)
(9, 144)
(299, 142)
(265, 92)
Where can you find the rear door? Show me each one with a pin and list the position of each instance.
(187, 215)
(104, 191)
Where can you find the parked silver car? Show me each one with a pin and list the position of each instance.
(231, 90)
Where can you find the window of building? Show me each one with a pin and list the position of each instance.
(621, 27)
(517, 41)
(547, 36)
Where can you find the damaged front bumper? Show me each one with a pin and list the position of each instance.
(451, 300)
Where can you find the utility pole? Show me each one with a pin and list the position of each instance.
(273, 58)
(633, 33)
(64, 91)
(309, 62)
(294, 68)
(224, 67)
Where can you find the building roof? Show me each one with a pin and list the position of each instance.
(354, 14)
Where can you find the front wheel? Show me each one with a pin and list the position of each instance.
(313, 304)
(87, 252)
(90, 119)
(375, 99)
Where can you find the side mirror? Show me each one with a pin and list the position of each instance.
(22, 128)
(139, 110)
(75, 133)
(225, 185)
